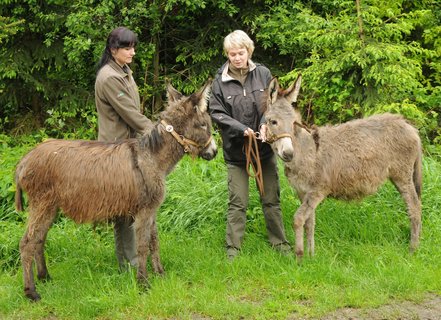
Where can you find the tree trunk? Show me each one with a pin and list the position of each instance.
(157, 99)
(360, 21)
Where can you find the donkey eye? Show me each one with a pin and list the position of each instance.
(273, 122)
(201, 125)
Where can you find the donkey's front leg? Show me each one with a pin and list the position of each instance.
(310, 230)
(305, 214)
(143, 225)
(154, 249)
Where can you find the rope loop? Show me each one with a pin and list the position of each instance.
(253, 161)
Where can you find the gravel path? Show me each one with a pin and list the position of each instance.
(429, 309)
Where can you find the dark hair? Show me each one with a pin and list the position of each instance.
(120, 37)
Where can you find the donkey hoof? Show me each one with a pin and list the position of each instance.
(144, 285)
(159, 270)
(142, 281)
(33, 296)
(299, 257)
(44, 277)
(413, 248)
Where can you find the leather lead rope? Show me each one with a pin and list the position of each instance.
(253, 159)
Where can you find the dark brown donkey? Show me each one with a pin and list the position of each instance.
(94, 181)
(347, 161)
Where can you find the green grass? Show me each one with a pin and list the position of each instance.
(361, 260)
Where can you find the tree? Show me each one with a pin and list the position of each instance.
(32, 68)
(359, 57)
(53, 75)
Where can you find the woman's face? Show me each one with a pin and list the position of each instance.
(123, 55)
(238, 57)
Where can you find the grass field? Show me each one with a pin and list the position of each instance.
(361, 261)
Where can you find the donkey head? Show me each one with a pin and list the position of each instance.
(188, 118)
(281, 115)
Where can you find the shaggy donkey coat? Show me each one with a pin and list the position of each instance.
(347, 161)
(95, 181)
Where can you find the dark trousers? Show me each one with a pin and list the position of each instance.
(238, 189)
(125, 242)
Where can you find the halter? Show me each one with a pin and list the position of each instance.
(271, 138)
(183, 141)
(274, 137)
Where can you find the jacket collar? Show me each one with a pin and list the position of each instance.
(226, 77)
(115, 66)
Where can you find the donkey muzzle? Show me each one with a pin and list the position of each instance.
(210, 150)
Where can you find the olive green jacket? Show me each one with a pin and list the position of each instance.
(118, 105)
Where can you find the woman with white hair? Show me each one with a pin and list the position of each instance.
(237, 108)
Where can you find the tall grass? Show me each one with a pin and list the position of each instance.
(361, 260)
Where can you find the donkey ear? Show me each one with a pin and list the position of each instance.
(294, 89)
(273, 91)
(172, 94)
(203, 95)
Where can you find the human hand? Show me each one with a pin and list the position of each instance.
(263, 128)
(248, 132)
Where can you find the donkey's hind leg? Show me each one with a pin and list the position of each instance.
(154, 249)
(413, 203)
(31, 245)
(42, 273)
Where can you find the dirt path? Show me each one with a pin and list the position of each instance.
(429, 309)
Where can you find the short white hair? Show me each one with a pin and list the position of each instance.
(238, 40)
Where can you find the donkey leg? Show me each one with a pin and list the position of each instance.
(143, 226)
(32, 242)
(413, 203)
(305, 212)
(42, 272)
(154, 249)
(27, 250)
(298, 226)
(310, 229)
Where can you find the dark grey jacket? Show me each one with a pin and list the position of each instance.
(235, 107)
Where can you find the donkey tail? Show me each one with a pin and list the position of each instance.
(18, 197)
(418, 174)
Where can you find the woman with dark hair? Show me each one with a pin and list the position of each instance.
(119, 117)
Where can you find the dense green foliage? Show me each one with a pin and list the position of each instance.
(382, 56)
(357, 57)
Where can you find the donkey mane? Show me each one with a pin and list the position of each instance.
(316, 137)
(152, 141)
